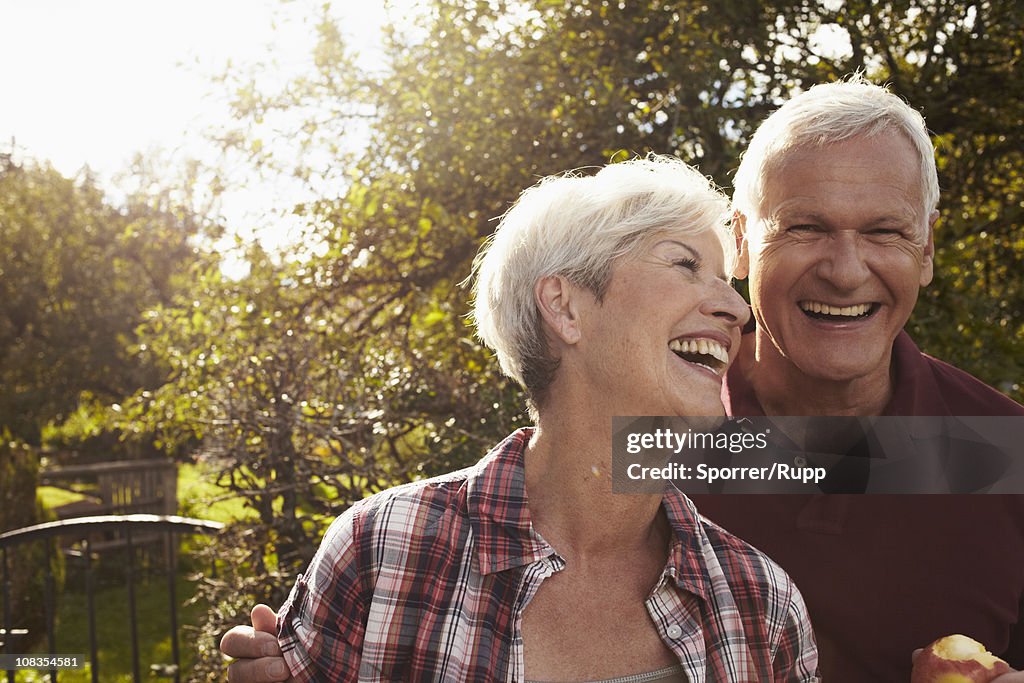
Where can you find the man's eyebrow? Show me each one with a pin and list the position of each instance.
(809, 215)
(797, 214)
(892, 220)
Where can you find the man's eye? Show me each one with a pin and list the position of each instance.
(803, 229)
(886, 232)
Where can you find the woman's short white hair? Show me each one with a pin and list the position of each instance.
(576, 226)
(825, 114)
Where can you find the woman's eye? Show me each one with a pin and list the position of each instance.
(688, 263)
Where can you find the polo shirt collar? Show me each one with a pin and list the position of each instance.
(915, 391)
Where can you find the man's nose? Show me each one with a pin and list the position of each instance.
(843, 262)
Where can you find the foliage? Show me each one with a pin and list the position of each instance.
(301, 407)
(30, 564)
(231, 591)
(75, 274)
(480, 98)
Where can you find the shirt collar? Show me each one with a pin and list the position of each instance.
(686, 560)
(498, 511)
(914, 390)
(500, 516)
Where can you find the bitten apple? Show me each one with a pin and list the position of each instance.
(957, 659)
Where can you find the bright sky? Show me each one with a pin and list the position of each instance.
(93, 82)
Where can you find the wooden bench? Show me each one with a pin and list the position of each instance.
(118, 488)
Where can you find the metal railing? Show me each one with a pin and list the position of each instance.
(83, 528)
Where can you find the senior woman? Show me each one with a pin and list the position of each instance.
(602, 295)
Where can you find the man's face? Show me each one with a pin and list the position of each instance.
(838, 256)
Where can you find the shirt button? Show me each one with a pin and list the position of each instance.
(674, 631)
(800, 461)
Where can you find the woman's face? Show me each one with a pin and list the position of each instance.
(668, 327)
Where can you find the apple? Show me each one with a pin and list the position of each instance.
(957, 659)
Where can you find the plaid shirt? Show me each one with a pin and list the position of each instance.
(428, 582)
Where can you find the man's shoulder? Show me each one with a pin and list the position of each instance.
(965, 394)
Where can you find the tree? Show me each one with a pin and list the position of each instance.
(481, 98)
(77, 272)
(29, 565)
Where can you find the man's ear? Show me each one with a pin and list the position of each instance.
(739, 233)
(928, 257)
(556, 300)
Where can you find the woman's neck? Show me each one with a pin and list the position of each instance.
(569, 487)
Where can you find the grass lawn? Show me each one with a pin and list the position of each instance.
(198, 496)
(113, 634)
(55, 497)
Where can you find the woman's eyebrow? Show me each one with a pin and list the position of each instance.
(699, 259)
(693, 252)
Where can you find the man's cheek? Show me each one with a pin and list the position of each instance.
(771, 259)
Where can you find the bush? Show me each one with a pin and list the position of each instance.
(27, 564)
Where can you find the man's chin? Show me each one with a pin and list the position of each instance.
(835, 368)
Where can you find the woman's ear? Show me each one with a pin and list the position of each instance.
(557, 301)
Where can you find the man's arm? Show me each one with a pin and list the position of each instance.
(257, 655)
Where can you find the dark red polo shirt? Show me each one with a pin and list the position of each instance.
(885, 574)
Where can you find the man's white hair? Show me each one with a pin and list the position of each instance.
(576, 226)
(825, 114)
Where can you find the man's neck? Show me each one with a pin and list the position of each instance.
(783, 389)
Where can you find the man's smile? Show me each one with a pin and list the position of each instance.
(820, 310)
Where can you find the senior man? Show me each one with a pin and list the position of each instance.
(835, 202)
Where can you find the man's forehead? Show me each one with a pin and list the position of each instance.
(879, 177)
(810, 209)
(882, 151)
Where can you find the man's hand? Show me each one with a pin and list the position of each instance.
(255, 650)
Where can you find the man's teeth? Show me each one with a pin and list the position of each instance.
(704, 347)
(851, 311)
